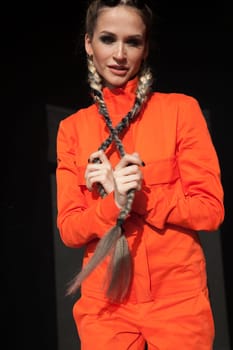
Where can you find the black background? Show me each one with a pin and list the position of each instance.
(42, 64)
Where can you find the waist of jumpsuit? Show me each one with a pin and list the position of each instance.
(165, 263)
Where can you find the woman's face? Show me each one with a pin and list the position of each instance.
(118, 46)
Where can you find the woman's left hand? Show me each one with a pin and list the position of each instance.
(127, 176)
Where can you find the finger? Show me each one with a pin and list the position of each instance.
(92, 177)
(129, 159)
(100, 155)
(135, 154)
(132, 178)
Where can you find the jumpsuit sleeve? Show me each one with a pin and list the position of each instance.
(195, 200)
(80, 218)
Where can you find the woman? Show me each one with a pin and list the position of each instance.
(137, 179)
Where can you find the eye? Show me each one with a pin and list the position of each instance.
(135, 42)
(107, 39)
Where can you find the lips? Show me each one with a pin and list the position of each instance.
(118, 70)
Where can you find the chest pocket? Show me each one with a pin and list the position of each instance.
(163, 171)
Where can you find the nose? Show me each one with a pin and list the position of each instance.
(120, 52)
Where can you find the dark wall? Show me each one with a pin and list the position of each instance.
(30, 312)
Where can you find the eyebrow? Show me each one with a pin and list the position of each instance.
(135, 36)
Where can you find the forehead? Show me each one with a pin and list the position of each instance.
(120, 19)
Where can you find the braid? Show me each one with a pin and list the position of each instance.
(120, 267)
(142, 93)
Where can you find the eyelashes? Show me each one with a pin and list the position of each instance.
(109, 39)
(136, 3)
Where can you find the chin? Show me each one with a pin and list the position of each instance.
(116, 83)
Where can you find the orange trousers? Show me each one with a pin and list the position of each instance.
(184, 323)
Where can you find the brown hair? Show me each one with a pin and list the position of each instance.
(95, 7)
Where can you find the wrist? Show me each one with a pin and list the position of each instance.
(119, 200)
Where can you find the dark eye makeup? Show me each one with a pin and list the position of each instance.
(131, 41)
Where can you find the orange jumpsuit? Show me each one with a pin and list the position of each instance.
(168, 304)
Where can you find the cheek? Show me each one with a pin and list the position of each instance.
(136, 61)
(98, 61)
(100, 56)
(136, 57)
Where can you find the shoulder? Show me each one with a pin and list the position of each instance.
(175, 105)
(83, 116)
(173, 99)
(174, 108)
(78, 116)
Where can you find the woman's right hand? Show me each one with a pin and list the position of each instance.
(99, 172)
